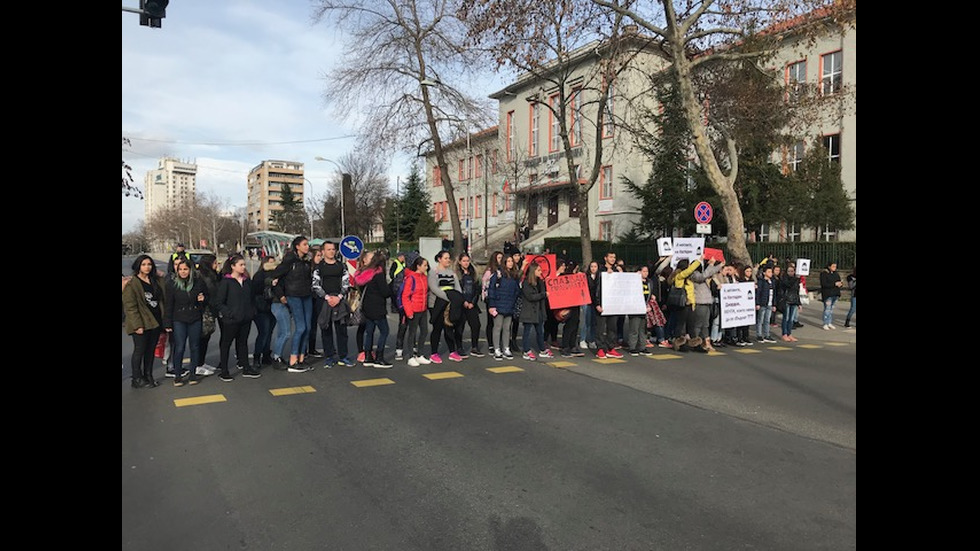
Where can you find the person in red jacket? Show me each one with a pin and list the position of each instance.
(414, 301)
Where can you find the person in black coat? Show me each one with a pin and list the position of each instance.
(235, 305)
(374, 307)
(265, 320)
(182, 318)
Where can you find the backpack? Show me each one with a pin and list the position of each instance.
(398, 296)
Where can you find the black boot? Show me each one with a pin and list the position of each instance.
(267, 358)
(138, 382)
(256, 360)
(149, 380)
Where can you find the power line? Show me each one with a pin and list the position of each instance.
(240, 143)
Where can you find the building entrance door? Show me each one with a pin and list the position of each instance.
(552, 209)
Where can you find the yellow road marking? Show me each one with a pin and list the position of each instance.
(809, 346)
(837, 343)
(608, 360)
(442, 375)
(197, 400)
(372, 382)
(780, 348)
(291, 390)
(748, 351)
(666, 356)
(561, 364)
(505, 369)
(716, 353)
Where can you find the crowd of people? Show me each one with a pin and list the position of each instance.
(312, 293)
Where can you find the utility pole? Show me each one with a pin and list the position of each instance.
(398, 215)
(486, 201)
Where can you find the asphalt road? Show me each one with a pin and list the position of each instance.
(746, 449)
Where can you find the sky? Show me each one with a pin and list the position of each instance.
(228, 85)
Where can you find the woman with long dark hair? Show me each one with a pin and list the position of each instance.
(493, 267)
(182, 317)
(466, 274)
(375, 289)
(207, 272)
(144, 299)
(297, 277)
(502, 295)
(235, 305)
(533, 312)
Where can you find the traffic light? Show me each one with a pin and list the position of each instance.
(152, 11)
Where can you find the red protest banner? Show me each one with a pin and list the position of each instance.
(566, 291)
(716, 254)
(548, 262)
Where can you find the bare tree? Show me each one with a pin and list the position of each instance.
(128, 188)
(403, 78)
(575, 53)
(693, 34)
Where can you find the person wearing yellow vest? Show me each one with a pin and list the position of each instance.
(396, 274)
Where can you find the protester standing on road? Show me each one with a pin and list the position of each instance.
(374, 304)
(570, 330)
(317, 258)
(606, 326)
(636, 336)
(444, 296)
(396, 275)
(852, 285)
(533, 312)
(297, 277)
(589, 314)
(701, 332)
(414, 304)
(235, 305)
(493, 267)
(144, 299)
(502, 293)
(207, 272)
(470, 288)
(830, 285)
(334, 312)
(682, 316)
(789, 286)
(182, 318)
(265, 320)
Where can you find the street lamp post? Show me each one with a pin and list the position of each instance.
(312, 204)
(398, 218)
(343, 177)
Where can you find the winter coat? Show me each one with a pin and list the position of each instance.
(415, 299)
(262, 300)
(295, 274)
(828, 287)
(138, 313)
(852, 284)
(702, 290)
(183, 306)
(376, 291)
(682, 280)
(469, 287)
(762, 291)
(789, 289)
(234, 301)
(439, 282)
(502, 293)
(535, 307)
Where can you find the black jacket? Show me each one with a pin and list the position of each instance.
(788, 289)
(828, 284)
(261, 299)
(375, 293)
(183, 306)
(296, 276)
(234, 301)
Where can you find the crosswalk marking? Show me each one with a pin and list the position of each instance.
(748, 351)
(809, 346)
(780, 348)
(442, 375)
(561, 364)
(504, 369)
(372, 382)
(666, 357)
(608, 361)
(291, 390)
(197, 400)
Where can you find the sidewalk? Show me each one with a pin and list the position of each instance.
(811, 316)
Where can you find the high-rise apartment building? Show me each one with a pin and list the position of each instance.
(171, 185)
(265, 186)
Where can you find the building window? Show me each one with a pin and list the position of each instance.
(606, 183)
(605, 230)
(532, 179)
(510, 136)
(795, 80)
(829, 234)
(437, 211)
(554, 128)
(794, 233)
(532, 148)
(477, 211)
(763, 233)
(462, 208)
(493, 211)
(831, 73)
(462, 169)
(469, 168)
(478, 171)
(436, 176)
(493, 162)
(796, 156)
(832, 144)
(508, 202)
(576, 113)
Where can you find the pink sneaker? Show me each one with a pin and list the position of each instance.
(455, 357)
(435, 359)
(546, 353)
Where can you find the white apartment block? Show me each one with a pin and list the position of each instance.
(171, 185)
(516, 172)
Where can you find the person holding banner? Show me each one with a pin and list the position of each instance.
(683, 316)
(636, 335)
(569, 331)
(502, 295)
(701, 334)
(605, 328)
(533, 312)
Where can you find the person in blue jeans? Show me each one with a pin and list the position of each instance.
(765, 305)
(374, 307)
(830, 285)
(296, 274)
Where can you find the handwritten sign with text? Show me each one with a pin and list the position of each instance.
(566, 291)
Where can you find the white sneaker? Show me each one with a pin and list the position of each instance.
(205, 370)
(583, 345)
(826, 327)
(413, 362)
(398, 354)
(422, 360)
(832, 326)
(498, 355)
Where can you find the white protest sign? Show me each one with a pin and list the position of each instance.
(664, 247)
(690, 248)
(737, 304)
(802, 266)
(622, 293)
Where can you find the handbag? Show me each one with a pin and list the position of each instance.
(356, 317)
(677, 297)
(208, 323)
